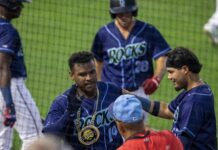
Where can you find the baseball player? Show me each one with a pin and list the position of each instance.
(192, 111)
(128, 114)
(80, 114)
(211, 27)
(17, 107)
(125, 48)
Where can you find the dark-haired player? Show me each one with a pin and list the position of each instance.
(192, 111)
(125, 48)
(17, 106)
(80, 114)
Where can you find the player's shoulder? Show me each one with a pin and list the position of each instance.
(164, 138)
(6, 28)
(166, 133)
(106, 86)
(131, 145)
(142, 23)
(105, 26)
(103, 30)
(200, 91)
(62, 98)
(200, 97)
(148, 26)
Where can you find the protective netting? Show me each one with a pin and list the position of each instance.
(52, 29)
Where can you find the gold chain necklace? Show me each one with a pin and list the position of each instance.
(89, 134)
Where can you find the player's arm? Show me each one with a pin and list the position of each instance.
(5, 78)
(5, 62)
(156, 108)
(56, 120)
(150, 85)
(99, 67)
(62, 112)
(160, 67)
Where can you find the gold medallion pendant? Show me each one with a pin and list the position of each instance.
(88, 135)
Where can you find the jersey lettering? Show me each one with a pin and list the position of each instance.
(102, 118)
(176, 115)
(112, 132)
(141, 66)
(116, 55)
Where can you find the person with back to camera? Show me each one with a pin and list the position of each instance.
(192, 111)
(125, 48)
(17, 106)
(128, 114)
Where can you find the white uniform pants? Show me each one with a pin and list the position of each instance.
(213, 21)
(28, 124)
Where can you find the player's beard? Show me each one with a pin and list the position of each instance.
(89, 88)
(179, 85)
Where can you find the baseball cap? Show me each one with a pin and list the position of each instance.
(126, 108)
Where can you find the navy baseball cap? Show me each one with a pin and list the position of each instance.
(127, 108)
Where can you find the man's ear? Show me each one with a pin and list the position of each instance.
(121, 128)
(185, 69)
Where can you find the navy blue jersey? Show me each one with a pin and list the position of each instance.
(10, 43)
(194, 118)
(57, 117)
(128, 62)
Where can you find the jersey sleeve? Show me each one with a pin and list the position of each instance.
(57, 118)
(158, 43)
(8, 41)
(97, 47)
(174, 103)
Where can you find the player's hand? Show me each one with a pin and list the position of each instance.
(150, 85)
(9, 116)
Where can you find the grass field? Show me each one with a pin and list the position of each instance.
(51, 30)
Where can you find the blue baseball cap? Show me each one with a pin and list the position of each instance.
(126, 108)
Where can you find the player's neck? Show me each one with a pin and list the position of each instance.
(194, 81)
(130, 134)
(88, 95)
(125, 30)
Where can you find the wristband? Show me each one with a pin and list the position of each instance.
(146, 103)
(6, 92)
(156, 108)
